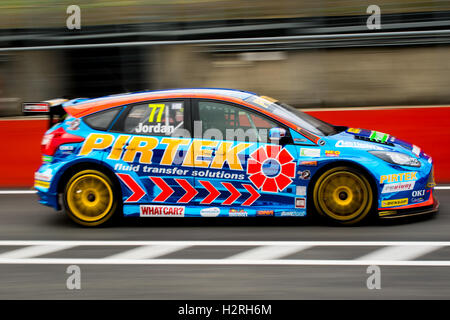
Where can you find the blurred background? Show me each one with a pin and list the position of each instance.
(311, 53)
(308, 53)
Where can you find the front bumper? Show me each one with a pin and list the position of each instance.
(398, 213)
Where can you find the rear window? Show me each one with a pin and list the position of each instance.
(101, 120)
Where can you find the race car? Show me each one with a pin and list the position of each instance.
(223, 153)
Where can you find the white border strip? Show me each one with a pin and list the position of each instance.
(219, 243)
(18, 191)
(50, 261)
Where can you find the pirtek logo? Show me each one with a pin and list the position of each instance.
(398, 177)
(127, 148)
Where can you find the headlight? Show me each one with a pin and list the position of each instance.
(397, 158)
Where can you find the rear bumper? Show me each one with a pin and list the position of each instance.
(398, 213)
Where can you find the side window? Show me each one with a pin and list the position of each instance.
(232, 122)
(155, 118)
(101, 120)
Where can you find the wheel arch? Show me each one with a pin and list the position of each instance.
(79, 166)
(348, 163)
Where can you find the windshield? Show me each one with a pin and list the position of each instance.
(294, 115)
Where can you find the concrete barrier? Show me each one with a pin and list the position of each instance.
(426, 127)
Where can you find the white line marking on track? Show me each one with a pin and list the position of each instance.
(414, 263)
(399, 253)
(270, 252)
(147, 252)
(218, 243)
(33, 251)
(18, 191)
(396, 253)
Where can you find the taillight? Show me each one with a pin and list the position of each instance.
(51, 142)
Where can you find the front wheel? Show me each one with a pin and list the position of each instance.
(89, 198)
(343, 195)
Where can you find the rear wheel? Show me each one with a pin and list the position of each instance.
(343, 195)
(89, 198)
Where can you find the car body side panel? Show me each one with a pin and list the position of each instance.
(197, 182)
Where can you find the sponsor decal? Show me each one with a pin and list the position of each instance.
(357, 145)
(398, 186)
(300, 203)
(47, 158)
(379, 136)
(35, 107)
(237, 213)
(308, 152)
(47, 175)
(300, 190)
(141, 148)
(398, 177)
(66, 148)
(416, 200)
(308, 163)
(271, 168)
(300, 140)
(210, 212)
(305, 175)
(332, 153)
(74, 124)
(418, 193)
(161, 211)
(293, 213)
(354, 130)
(416, 150)
(177, 106)
(264, 213)
(394, 203)
(42, 184)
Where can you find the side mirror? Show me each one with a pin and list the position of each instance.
(276, 134)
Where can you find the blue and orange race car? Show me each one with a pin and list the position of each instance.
(223, 153)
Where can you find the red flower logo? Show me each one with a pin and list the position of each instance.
(271, 168)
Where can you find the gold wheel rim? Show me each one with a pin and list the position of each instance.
(90, 197)
(343, 195)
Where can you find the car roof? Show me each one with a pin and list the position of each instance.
(82, 107)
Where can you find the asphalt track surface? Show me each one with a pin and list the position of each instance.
(201, 258)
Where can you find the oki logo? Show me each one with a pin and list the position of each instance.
(419, 193)
(161, 211)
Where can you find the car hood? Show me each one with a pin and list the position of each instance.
(375, 140)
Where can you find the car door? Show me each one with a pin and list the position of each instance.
(151, 140)
(238, 171)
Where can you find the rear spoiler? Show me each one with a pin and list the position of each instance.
(53, 108)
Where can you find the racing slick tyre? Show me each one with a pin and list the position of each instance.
(90, 198)
(343, 195)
